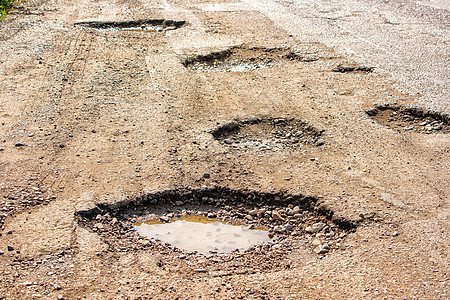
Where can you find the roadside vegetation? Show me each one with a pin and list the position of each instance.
(4, 6)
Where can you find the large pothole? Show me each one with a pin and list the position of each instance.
(410, 119)
(242, 59)
(268, 134)
(148, 25)
(294, 223)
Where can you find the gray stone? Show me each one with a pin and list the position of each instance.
(277, 216)
(253, 212)
(316, 227)
(322, 249)
(308, 229)
(164, 219)
(201, 270)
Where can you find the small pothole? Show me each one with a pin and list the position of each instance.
(244, 59)
(268, 134)
(293, 223)
(352, 68)
(149, 25)
(413, 119)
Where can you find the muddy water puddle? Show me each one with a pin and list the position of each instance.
(201, 234)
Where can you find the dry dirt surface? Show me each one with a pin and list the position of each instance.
(114, 111)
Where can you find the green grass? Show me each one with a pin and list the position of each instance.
(4, 6)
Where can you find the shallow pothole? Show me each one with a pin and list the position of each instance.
(410, 119)
(268, 134)
(352, 68)
(149, 25)
(293, 222)
(244, 59)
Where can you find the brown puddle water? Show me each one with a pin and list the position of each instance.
(202, 234)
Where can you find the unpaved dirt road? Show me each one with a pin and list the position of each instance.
(112, 110)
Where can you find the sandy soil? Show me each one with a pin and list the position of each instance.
(101, 122)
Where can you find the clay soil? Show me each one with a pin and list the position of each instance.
(216, 106)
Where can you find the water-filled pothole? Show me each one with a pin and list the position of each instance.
(294, 223)
(268, 134)
(198, 233)
(244, 59)
(410, 119)
(150, 25)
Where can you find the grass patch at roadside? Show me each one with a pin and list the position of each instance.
(5, 5)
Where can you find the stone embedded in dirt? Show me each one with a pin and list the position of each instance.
(201, 270)
(316, 227)
(10, 248)
(322, 249)
(277, 216)
(316, 242)
(19, 144)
